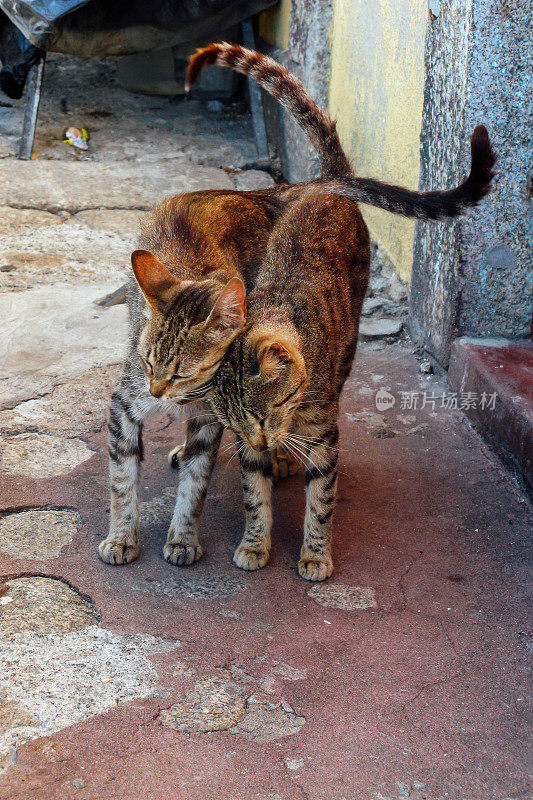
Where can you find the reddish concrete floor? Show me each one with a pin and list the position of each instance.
(504, 369)
(423, 696)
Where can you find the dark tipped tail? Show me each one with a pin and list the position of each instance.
(424, 205)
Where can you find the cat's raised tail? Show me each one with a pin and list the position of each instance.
(423, 205)
(320, 128)
(277, 81)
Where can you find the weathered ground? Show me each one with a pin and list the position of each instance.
(403, 677)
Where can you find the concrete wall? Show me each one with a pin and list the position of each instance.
(374, 87)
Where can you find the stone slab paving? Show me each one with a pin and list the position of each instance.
(53, 333)
(403, 677)
(37, 534)
(84, 185)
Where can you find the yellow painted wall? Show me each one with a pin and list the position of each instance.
(376, 95)
(274, 24)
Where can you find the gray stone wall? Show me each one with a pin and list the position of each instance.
(494, 244)
(474, 276)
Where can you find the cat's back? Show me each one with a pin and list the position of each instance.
(199, 233)
(321, 244)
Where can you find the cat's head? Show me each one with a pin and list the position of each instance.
(189, 326)
(259, 385)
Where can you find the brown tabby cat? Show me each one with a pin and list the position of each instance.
(188, 305)
(185, 308)
(279, 382)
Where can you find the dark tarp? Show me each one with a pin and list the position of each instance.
(94, 28)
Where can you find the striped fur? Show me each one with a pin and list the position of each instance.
(424, 205)
(279, 382)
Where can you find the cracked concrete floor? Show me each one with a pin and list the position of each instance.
(404, 676)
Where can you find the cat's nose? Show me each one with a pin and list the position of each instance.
(260, 444)
(157, 388)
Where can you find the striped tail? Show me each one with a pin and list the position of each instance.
(422, 205)
(278, 82)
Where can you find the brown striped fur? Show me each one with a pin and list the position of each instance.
(278, 384)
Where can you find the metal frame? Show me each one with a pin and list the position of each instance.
(33, 97)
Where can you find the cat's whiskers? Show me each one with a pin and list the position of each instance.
(289, 450)
(304, 453)
(297, 448)
(227, 447)
(310, 442)
(307, 440)
(237, 452)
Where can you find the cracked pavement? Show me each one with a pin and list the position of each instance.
(405, 676)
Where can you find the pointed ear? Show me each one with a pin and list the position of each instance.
(273, 356)
(278, 351)
(229, 312)
(154, 279)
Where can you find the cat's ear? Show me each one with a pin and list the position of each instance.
(279, 352)
(156, 282)
(228, 315)
(273, 357)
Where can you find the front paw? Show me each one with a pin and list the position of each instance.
(249, 559)
(284, 464)
(112, 551)
(175, 454)
(314, 568)
(182, 555)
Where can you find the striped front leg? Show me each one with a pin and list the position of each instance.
(256, 477)
(315, 562)
(196, 462)
(125, 454)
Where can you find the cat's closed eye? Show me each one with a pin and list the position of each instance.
(147, 366)
(256, 418)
